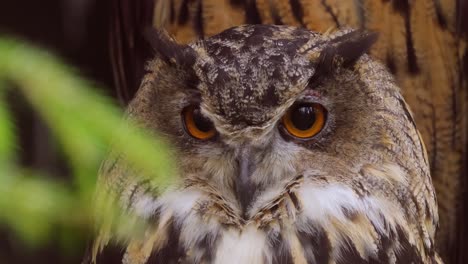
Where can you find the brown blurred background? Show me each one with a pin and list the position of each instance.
(76, 31)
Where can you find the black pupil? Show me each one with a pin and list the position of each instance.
(303, 117)
(203, 124)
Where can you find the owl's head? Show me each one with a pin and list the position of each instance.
(259, 113)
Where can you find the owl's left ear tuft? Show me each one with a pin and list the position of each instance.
(350, 47)
(344, 50)
(168, 49)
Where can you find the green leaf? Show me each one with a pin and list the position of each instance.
(84, 121)
(88, 125)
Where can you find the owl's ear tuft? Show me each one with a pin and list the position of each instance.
(352, 46)
(168, 50)
(344, 50)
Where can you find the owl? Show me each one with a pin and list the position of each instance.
(292, 147)
(423, 43)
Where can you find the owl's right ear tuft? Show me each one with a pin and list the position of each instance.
(168, 50)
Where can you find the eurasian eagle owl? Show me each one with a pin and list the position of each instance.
(292, 146)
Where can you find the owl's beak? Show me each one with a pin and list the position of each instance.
(245, 189)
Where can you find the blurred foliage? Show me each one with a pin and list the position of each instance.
(86, 124)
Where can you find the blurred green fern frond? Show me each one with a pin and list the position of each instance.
(85, 123)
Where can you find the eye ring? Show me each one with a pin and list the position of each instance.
(304, 120)
(197, 125)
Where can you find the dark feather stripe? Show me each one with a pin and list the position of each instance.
(275, 15)
(349, 253)
(384, 246)
(251, 13)
(143, 184)
(172, 251)
(462, 18)
(297, 11)
(198, 24)
(413, 66)
(184, 14)
(403, 7)
(238, 3)
(295, 200)
(329, 10)
(110, 254)
(390, 62)
(317, 246)
(172, 12)
(398, 243)
(281, 253)
(441, 19)
(193, 16)
(208, 246)
(155, 217)
(407, 253)
(464, 67)
(463, 237)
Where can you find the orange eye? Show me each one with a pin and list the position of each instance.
(305, 120)
(196, 124)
